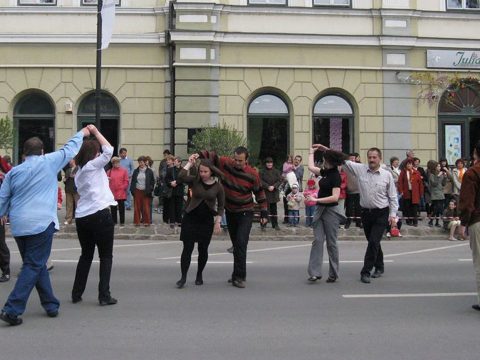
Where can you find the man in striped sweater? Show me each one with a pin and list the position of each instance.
(241, 182)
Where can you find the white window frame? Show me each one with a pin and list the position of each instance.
(462, 8)
(266, 3)
(36, 3)
(95, 3)
(333, 4)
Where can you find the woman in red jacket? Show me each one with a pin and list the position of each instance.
(118, 179)
(410, 186)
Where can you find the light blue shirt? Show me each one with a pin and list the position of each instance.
(127, 164)
(29, 192)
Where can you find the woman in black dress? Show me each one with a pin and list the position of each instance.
(203, 214)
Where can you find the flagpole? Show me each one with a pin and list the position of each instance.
(99, 65)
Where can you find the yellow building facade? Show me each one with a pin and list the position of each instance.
(350, 73)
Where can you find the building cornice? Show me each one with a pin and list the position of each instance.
(156, 38)
(314, 39)
(50, 10)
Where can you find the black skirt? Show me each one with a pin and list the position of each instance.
(197, 225)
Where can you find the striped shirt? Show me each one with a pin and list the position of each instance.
(377, 188)
(239, 184)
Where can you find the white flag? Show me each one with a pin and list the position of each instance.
(108, 17)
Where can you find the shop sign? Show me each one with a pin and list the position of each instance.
(453, 59)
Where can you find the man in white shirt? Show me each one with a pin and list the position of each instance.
(378, 199)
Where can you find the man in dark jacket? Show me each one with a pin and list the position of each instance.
(469, 208)
(271, 179)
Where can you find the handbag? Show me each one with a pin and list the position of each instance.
(394, 232)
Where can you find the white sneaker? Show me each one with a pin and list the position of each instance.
(388, 235)
(65, 223)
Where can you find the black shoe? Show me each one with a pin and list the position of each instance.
(108, 301)
(377, 273)
(331, 279)
(230, 250)
(52, 314)
(438, 225)
(50, 268)
(314, 278)
(365, 279)
(76, 299)
(199, 282)
(476, 307)
(239, 283)
(276, 227)
(13, 320)
(4, 278)
(181, 283)
(430, 223)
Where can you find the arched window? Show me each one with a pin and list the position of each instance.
(459, 121)
(333, 123)
(268, 120)
(109, 116)
(34, 115)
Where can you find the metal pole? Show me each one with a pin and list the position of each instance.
(99, 65)
(171, 67)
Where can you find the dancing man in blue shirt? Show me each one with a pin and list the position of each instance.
(29, 197)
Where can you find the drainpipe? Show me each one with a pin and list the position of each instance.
(171, 69)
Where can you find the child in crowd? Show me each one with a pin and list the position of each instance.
(293, 201)
(451, 221)
(310, 191)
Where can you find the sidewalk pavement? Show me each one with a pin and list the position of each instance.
(160, 231)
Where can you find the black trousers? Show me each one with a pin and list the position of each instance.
(285, 206)
(375, 222)
(353, 209)
(411, 211)
(94, 230)
(121, 210)
(4, 253)
(273, 215)
(175, 205)
(239, 226)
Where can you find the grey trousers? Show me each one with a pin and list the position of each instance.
(474, 232)
(325, 227)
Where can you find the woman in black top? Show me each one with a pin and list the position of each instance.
(328, 216)
(203, 214)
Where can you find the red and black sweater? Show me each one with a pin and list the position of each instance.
(238, 184)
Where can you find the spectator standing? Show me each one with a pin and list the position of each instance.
(127, 163)
(118, 182)
(410, 155)
(410, 186)
(469, 208)
(352, 202)
(71, 194)
(29, 194)
(448, 187)
(436, 183)
(293, 200)
(175, 202)
(287, 165)
(299, 170)
(395, 168)
(4, 250)
(162, 172)
(457, 175)
(271, 180)
(143, 182)
(310, 192)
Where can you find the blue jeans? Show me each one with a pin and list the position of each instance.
(34, 250)
(293, 217)
(309, 211)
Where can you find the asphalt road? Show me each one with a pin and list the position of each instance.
(420, 309)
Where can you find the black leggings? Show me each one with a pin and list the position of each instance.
(187, 257)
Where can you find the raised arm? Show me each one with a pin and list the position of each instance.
(107, 149)
(311, 158)
(184, 175)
